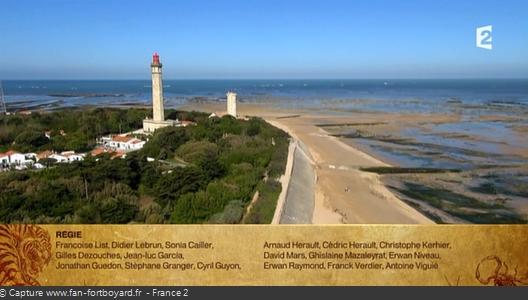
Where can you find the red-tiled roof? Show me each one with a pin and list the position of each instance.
(97, 151)
(118, 154)
(9, 153)
(113, 153)
(123, 139)
(68, 154)
(44, 154)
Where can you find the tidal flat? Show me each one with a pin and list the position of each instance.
(453, 168)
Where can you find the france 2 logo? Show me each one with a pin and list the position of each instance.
(483, 36)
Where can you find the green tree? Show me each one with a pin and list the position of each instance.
(178, 182)
(253, 128)
(165, 140)
(30, 139)
(203, 154)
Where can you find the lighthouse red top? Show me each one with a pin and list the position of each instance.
(155, 59)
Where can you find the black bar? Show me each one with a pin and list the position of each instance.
(246, 293)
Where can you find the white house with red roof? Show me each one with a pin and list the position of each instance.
(122, 142)
(21, 161)
(13, 158)
(67, 156)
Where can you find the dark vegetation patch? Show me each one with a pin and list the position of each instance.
(264, 209)
(427, 213)
(505, 186)
(486, 188)
(351, 124)
(91, 95)
(289, 117)
(461, 206)
(399, 170)
(411, 142)
(441, 198)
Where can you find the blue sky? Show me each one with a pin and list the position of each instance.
(108, 39)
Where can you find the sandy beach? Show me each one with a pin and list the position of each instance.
(341, 192)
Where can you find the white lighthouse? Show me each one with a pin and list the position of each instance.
(231, 104)
(158, 110)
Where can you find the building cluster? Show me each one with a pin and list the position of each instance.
(21, 161)
(117, 146)
(121, 142)
(13, 159)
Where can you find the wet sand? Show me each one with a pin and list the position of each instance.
(342, 193)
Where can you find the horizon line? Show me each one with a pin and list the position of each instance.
(265, 78)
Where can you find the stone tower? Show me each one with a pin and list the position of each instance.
(231, 104)
(158, 113)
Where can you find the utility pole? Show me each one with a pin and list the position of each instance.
(3, 109)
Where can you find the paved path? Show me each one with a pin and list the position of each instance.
(299, 205)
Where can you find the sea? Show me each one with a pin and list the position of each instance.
(400, 95)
